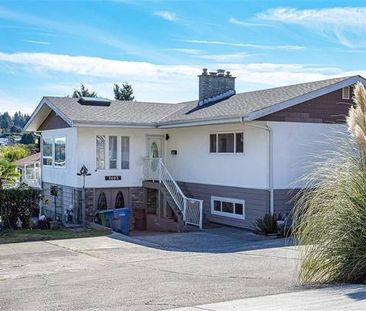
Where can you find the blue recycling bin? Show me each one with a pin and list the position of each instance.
(121, 220)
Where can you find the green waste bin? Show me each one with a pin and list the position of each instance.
(106, 217)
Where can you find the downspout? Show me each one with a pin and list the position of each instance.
(270, 160)
(40, 170)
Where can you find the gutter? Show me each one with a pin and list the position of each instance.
(270, 160)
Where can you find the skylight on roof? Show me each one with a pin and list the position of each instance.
(94, 101)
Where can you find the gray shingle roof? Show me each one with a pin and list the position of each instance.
(244, 103)
(142, 113)
(119, 112)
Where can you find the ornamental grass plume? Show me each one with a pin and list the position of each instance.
(330, 212)
(356, 118)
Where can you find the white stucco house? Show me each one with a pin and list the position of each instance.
(226, 158)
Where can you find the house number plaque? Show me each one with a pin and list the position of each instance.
(113, 177)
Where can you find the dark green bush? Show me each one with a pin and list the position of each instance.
(266, 224)
(21, 202)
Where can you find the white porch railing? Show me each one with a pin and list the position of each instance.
(191, 209)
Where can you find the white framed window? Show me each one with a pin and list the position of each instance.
(112, 152)
(346, 92)
(100, 156)
(47, 151)
(231, 142)
(125, 152)
(228, 207)
(60, 152)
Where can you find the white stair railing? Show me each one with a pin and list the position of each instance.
(191, 209)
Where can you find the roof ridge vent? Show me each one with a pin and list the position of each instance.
(94, 101)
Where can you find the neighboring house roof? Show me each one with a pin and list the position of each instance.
(30, 159)
(248, 106)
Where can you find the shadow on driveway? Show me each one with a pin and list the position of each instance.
(215, 240)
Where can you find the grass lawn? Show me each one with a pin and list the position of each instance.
(26, 235)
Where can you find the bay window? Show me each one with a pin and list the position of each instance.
(60, 151)
(47, 151)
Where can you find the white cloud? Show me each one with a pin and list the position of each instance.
(37, 42)
(346, 24)
(151, 82)
(92, 66)
(247, 45)
(186, 51)
(167, 15)
(239, 22)
(218, 58)
(225, 58)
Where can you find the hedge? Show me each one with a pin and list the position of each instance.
(21, 202)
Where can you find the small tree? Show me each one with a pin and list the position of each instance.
(83, 92)
(123, 93)
(8, 173)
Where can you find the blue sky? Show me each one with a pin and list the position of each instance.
(50, 47)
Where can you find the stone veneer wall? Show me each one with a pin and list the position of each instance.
(151, 201)
(137, 198)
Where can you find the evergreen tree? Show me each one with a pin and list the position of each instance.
(123, 93)
(5, 122)
(84, 92)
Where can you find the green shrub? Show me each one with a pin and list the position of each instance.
(21, 202)
(14, 152)
(8, 173)
(266, 224)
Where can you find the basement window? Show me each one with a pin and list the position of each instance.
(227, 142)
(346, 92)
(228, 207)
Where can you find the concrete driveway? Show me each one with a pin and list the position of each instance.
(143, 272)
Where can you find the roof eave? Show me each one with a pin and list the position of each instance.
(200, 122)
(45, 101)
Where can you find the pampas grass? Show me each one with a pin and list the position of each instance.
(330, 213)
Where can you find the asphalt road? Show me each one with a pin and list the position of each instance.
(149, 272)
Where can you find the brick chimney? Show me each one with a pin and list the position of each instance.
(215, 86)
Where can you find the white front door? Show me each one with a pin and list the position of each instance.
(155, 146)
